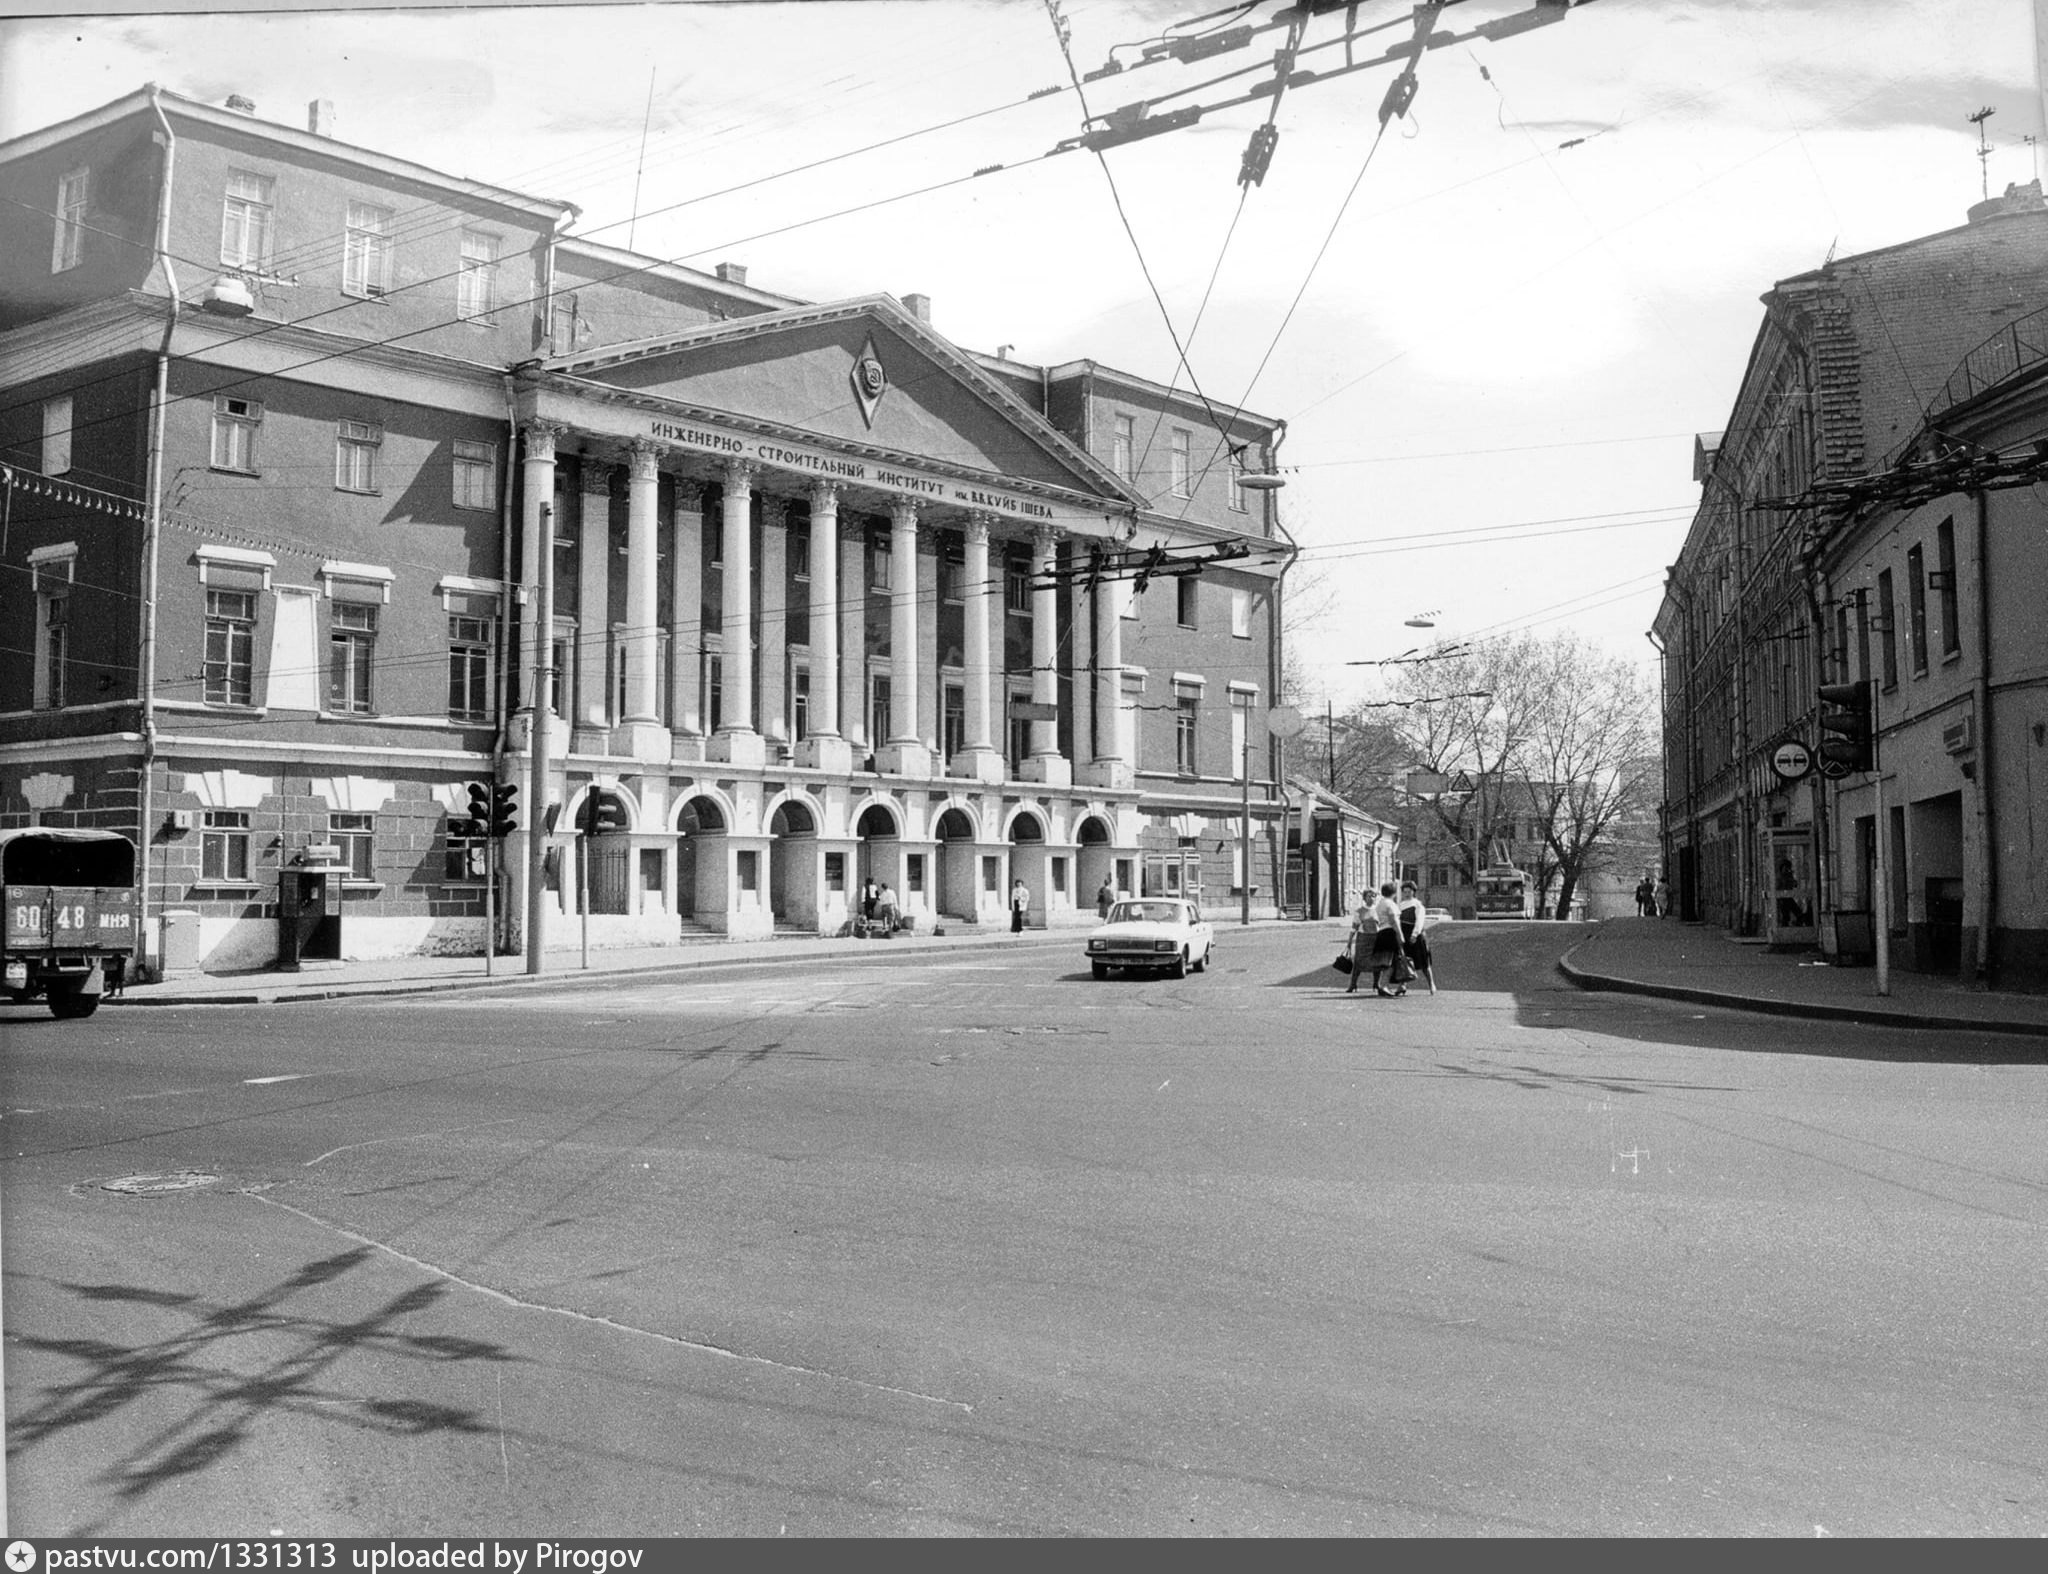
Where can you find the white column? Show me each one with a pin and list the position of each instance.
(1112, 765)
(737, 741)
(824, 749)
(1046, 763)
(589, 687)
(642, 734)
(978, 758)
(772, 654)
(536, 535)
(904, 753)
(686, 629)
(1079, 606)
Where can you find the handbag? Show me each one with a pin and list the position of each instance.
(1403, 969)
(1343, 962)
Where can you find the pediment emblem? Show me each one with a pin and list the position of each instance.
(869, 380)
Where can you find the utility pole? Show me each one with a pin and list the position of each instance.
(537, 740)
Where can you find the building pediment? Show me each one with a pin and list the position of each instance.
(864, 377)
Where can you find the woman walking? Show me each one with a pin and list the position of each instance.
(1386, 940)
(1414, 920)
(1360, 943)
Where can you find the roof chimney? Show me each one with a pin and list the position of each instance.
(733, 272)
(320, 117)
(240, 105)
(919, 306)
(2017, 199)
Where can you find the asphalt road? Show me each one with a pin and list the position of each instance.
(974, 1245)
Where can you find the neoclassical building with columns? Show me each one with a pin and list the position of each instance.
(340, 484)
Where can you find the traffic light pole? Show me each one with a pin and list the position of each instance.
(537, 741)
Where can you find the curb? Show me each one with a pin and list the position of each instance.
(1811, 1010)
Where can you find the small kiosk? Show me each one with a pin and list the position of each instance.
(309, 907)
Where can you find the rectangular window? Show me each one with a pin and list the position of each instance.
(57, 435)
(952, 564)
(799, 704)
(1121, 443)
(1020, 733)
(74, 192)
(468, 857)
(1862, 636)
(1887, 628)
(351, 649)
(1184, 600)
(879, 562)
(835, 871)
(224, 846)
(558, 674)
(913, 873)
(55, 627)
(245, 221)
(1187, 718)
(351, 833)
(800, 554)
(1241, 614)
(1945, 555)
(714, 691)
(234, 433)
(1916, 606)
(714, 540)
(1182, 472)
(476, 286)
(366, 252)
(1240, 732)
(953, 721)
(878, 710)
(476, 474)
(1238, 504)
(355, 455)
(469, 667)
(230, 646)
(1017, 587)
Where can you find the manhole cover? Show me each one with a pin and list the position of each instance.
(151, 1185)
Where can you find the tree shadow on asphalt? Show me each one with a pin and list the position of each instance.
(1521, 961)
(227, 1400)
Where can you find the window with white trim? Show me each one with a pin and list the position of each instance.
(228, 669)
(246, 220)
(74, 192)
(476, 474)
(366, 252)
(53, 641)
(1187, 726)
(1178, 457)
(224, 847)
(234, 433)
(57, 435)
(1122, 443)
(1187, 597)
(881, 565)
(351, 832)
(351, 657)
(470, 640)
(355, 455)
(476, 285)
(1240, 717)
(1241, 614)
(1238, 502)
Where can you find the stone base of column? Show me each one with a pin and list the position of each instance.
(686, 747)
(1055, 770)
(980, 765)
(587, 738)
(646, 741)
(824, 754)
(1109, 773)
(903, 759)
(737, 748)
(519, 735)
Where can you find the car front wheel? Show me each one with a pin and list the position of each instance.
(1179, 968)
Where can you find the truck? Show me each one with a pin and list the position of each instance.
(68, 927)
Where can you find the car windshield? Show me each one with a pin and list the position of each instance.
(1146, 913)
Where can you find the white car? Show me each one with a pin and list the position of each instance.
(1160, 933)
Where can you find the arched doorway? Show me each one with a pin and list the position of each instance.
(1029, 862)
(793, 867)
(881, 848)
(700, 871)
(1096, 861)
(957, 887)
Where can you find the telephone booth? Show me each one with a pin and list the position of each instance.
(309, 908)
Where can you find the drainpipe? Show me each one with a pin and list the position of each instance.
(1987, 800)
(152, 535)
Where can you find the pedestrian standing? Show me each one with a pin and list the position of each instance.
(1020, 904)
(1414, 942)
(1663, 897)
(1360, 942)
(868, 894)
(1646, 898)
(1104, 897)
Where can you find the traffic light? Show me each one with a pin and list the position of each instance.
(603, 813)
(504, 808)
(479, 812)
(1849, 741)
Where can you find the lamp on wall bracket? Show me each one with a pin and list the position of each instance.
(228, 296)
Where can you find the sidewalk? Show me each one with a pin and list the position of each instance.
(1649, 956)
(412, 975)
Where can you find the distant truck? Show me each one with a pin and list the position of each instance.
(68, 927)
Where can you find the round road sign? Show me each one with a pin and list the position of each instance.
(1791, 760)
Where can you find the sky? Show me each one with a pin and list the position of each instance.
(1493, 331)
